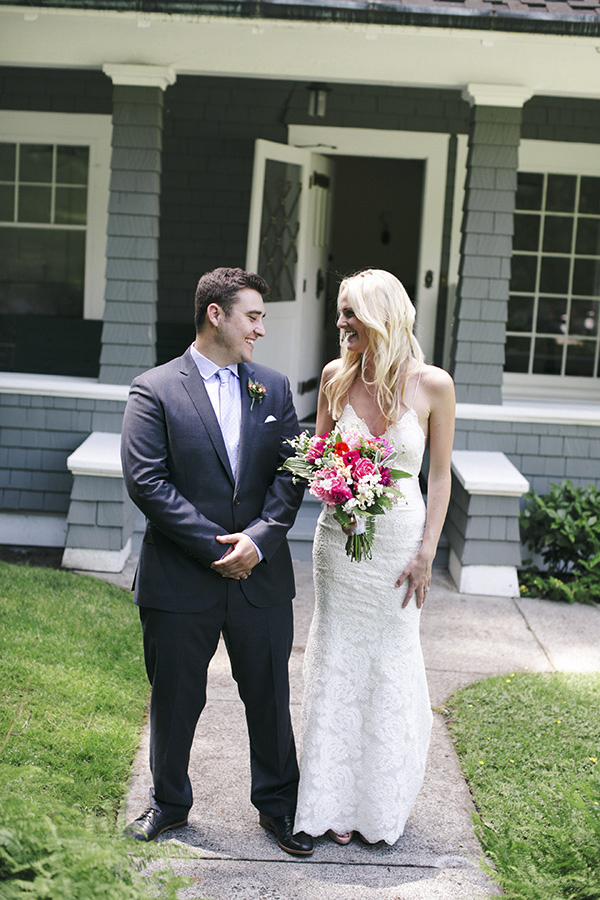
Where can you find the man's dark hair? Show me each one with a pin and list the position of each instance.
(221, 286)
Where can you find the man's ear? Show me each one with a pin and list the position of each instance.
(214, 313)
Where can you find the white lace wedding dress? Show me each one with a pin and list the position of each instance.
(366, 714)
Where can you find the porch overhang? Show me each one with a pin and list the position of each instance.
(548, 16)
(381, 43)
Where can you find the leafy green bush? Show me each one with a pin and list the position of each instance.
(48, 857)
(563, 527)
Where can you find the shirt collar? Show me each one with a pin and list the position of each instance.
(207, 367)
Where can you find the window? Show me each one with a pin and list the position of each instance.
(554, 302)
(43, 219)
(54, 184)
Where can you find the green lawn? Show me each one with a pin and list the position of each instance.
(529, 746)
(73, 697)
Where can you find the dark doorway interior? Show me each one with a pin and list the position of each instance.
(376, 223)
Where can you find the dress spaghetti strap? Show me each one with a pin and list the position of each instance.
(416, 388)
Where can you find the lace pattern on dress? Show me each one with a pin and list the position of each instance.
(366, 718)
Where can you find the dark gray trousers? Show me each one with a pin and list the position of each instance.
(177, 650)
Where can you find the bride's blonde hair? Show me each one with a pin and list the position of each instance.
(381, 303)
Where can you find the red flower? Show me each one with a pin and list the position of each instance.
(341, 447)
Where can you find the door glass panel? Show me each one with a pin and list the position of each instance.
(280, 224)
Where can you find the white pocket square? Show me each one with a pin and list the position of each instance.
(270, 419)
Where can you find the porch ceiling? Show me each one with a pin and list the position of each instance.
(305, 49)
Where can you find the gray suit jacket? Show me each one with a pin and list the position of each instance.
(177, 472)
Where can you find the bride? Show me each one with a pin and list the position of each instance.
(366, 714)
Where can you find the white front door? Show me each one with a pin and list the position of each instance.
(288, 239)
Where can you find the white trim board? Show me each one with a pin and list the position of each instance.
(540, 412)
(61, 386)
(20, 529)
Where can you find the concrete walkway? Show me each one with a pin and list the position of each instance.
(465, 638)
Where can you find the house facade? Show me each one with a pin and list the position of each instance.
(453, 142)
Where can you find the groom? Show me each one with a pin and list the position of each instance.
(203, 441)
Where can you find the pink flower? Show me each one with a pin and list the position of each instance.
(386, 478)
(386, 448)
(316, 449)
(330, 487)
(351, 457)
(340, 492)
(363, 467)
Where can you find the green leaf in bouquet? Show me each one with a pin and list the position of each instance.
(342, 517)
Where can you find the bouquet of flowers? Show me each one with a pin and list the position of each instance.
(351, 474)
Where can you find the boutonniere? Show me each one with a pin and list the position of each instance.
(257, 391)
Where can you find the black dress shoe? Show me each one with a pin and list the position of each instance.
(150, 824)
(300, 844)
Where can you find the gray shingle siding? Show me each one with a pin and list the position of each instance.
(486, 252)
(132, 249)
(37, 435)
(543, 453)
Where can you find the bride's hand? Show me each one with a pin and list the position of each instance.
(351, 528)
(418, 574)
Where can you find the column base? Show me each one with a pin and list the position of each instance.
(489, 581)
(96, 560)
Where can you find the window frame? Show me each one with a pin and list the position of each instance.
(560, 158)
(78, 129)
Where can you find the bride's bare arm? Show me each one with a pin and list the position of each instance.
(439, 390)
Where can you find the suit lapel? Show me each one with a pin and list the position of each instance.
(194, 385)
(249, 420)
